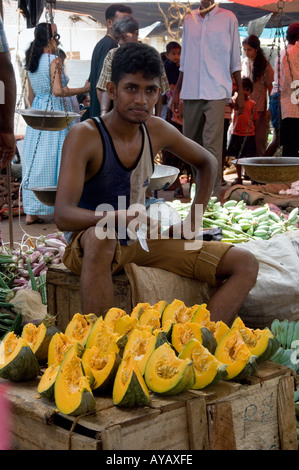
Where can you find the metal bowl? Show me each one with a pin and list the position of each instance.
(163, 176)
(43, 120)
(270, 169)
(46, 195)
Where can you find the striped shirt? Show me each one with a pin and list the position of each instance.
(105, 76)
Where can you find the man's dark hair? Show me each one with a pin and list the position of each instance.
(135, 57)
(127, 24)
(247, 83)
(172, 45)
(293, 33)
(112, 9)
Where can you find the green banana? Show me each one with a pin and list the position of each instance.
(284, 332)
(296, 332)
(290, 334)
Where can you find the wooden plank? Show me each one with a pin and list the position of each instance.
(197, 424)
(286, 414)
(112, 438)
(221, 426)
(268, 370)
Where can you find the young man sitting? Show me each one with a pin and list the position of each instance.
(106, 166)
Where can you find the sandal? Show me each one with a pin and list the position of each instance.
(236, 181)
(34, 220)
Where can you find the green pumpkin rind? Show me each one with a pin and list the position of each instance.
(251, 368)
(208, 340)
(272, 347)
(22, 368)
(134, 394)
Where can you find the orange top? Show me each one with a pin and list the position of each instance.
(241, 121)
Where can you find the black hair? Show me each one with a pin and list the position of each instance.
(112, 9)
(82, 97)
(247, 83)
(135, 57)
(293, 33)
(42, 35)
(260, 62)
(172, 45)
(127, 24)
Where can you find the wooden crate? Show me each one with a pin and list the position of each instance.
(255, 415)
(64, 295)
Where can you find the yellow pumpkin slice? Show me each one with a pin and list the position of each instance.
(38, 337)
(80, 326)
(183, 332)
(233, 351)
(100, 369)
(18, 362)
(166, 374)
(112, 316)
(261, 343)
(150, 317)
(140, 344)
(59, 344)
(46, 384)
(208, 370)
(174, 311)
(72, 392)
(129, 388)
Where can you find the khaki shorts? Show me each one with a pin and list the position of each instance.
(199, 261)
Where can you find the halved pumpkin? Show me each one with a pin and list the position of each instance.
(174, 311)
(80, 326)
(100, 369)
(201, 315)
(139, 309)
(219, 329)
(59, 344)
(166, 328)
(141, 344)
(102, 336)
(166, 374)
(72, 392)
(233, 351)
(38, 337)
(150, 317)
(129, 388)
(183, 332)
(261, 343)
(160, 306)
(46, 384)
(208, 370)
(18, 362)
(125, 324)
(112, 316)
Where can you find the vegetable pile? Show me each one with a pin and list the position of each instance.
(241, 223)
(25, 266)
(163, 349)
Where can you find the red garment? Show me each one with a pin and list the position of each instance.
(241, 121)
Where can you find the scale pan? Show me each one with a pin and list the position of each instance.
(46, 195)
(163, 176)
(43, 120)
(270, 169)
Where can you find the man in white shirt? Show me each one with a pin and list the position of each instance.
(211, 54)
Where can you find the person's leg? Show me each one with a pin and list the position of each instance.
(96, 286)
(214, 111)
(238, 268)
(232, 270)
(193, 123)
(261, 132)
(290, 130)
